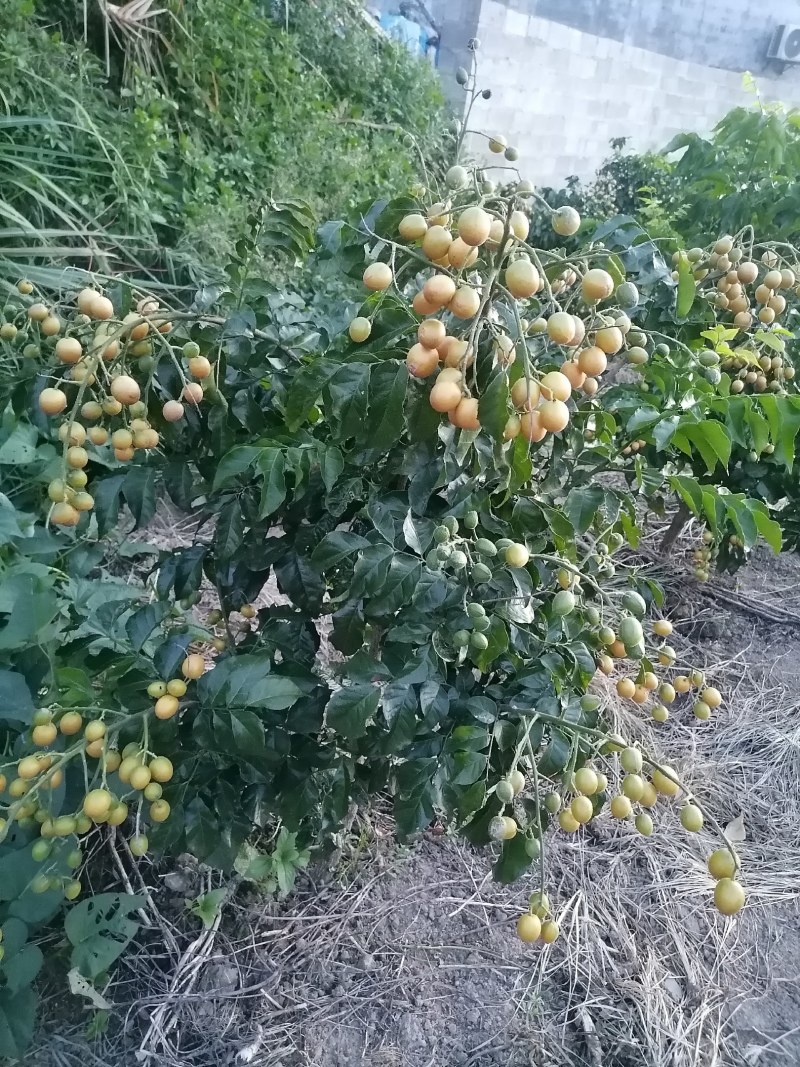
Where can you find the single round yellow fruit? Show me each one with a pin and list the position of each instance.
(193, 666)
(682, 683)
(474, 226)
(161, 769)
(530, 426)
(567, 821)
(422, 361)
(465, 416)
(586, 781)
(38, 312)
(691, 818)
(529, 926)
(633, 787)
(465, 302)
(525, 394)
(97, 804)
(626, 687)
(711, 696)
(664, 784)
(498, 143)
(523, 280)
(68, 350)
(597, 284)
(166, 707)
(728, 896)
(721, 864)
(100, 307)
(621, 807)
(445, 396)
(555, 386)
(609, 340)
(138, 845)
(566, 221)
(519, 225)
(378, 276)
(51, 326)
(561, 328)
(581, 809)
(649, 797)
(517, 555)
(631, 760)
(436, 242)
(52, 401)
(413, 227)
(554, 415)
(592, 360)
(125, 389)
(550, 931)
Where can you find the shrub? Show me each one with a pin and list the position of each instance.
(442, 491)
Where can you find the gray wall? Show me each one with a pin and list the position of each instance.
(561, 93)
(734, 34)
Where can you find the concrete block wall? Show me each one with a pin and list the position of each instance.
(561, 93)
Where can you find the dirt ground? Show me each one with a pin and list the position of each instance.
(406, 957)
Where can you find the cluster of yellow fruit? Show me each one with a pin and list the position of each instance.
(39, 773)
(510, 273)
(167, 694)
(94, 353)
(534, 924)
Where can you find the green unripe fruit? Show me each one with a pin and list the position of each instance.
(563, 603)
(644, 824)
(662, 350)
(532, 847)
(476, 611)
(504, 792)
(457, 177)
(482, 624)
(485, 547)
(539, 903)
(517, 780)
(631, 760)
(615, 541)
(458, 560)
(634, 603)
(40, 883)
(470, 520)
(630, 632)
(40, 850)
(30, 351)
(480, 573)
(607, 635)
(708, 359)
(517, 555)
(461, 76)
(444, 552)
(191, 349)
(552, 802)
(432, 559)
(504, 542)
(441, 534)
(461, 638)
(451, 522)
(592, 615)
(691, 818)
(637, 338)
(627, 295)
(479, 642)
(590, 702)
(74, 858)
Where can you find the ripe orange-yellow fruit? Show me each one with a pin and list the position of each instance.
(640, 695)
(52, 401)
(422, 306)
(519, 225)
(64, 514)
(495, 234)
(609, 339)
(626, 687)
(200, 367)
(100, 308)
(159, 810)
(597, 284)
(474, 225)
(555, 386)
(70, 723)
(140, 777)
(579, 334)
(682, 683)
(125, 389)
(77, 457)
(460, 254)
(439, 290)
(592, 360)
(590, 386)
(359, 329)
(512, 427)
(193, 666)
(465, 302)
(729, 896)
(747, 273)
(550, 931)
(173, 411)
(554, 415)
(465, 416)
(436, 242)
(621, 807)
(51, 326)
(68, 350)
(567, 821)
(523, 280)
(98, 435)
(431, 333)
(530, 426)
(573, 373)
(421, 361)
(85, 298)
(529, 926)
(166, 707)
(566, 221)
(561, 328)
(445, 396)
(38, 312)
(525, 393)
(662, 627)
(97, 804)
(147, 438)
(193, 392)
(378, 276)
(456, 354)
(413, 227)
(161, 769)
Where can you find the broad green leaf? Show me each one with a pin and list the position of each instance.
(711, 440)
(769, 529)
(350, 709)
(493, 405)
(581, 506)
(783, 414)
(270, 464)
(16, 702)
(207, 907)
(387, 390)
(336, 546)
(17, 1021)
(142, 623)
(556, 755)
(99, 929)
(418, 533)
(246, 682)
(513, 861)
(234, 463)
(19, 448)
(230, 530)
(397, 587)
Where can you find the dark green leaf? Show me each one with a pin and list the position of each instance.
(99, 929)
(246, 682)
(350, 709)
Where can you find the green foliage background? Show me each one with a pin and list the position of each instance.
(168, 150)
